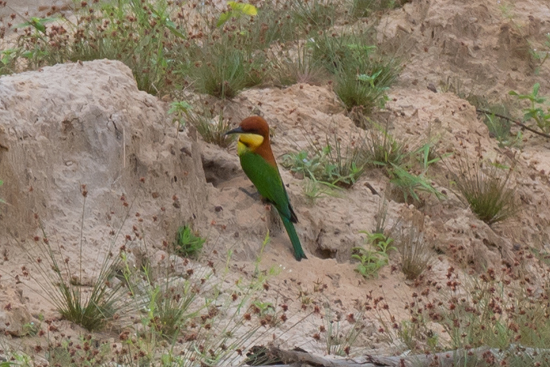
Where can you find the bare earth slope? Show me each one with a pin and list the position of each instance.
(87, 124)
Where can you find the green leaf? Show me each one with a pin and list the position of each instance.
(224, 17)
(536, 88)
(172, 28)
(247, 9)
(37, 23)
(179, 107)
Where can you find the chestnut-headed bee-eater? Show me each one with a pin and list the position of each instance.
(259, 164)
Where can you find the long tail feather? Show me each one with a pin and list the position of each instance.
(299, 253)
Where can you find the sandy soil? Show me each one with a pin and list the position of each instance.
(96, 129)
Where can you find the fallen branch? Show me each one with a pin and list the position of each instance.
(442, 359)
(514, 121)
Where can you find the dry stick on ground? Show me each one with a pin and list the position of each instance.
(444, 359)
(514, 121)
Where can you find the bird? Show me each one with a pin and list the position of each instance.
(258, 163)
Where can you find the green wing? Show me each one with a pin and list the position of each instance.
(268, 181)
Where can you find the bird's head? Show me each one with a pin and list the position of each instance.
(253, 131)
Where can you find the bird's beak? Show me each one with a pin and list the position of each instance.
(238, 130)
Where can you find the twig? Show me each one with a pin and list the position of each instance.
(514, 121)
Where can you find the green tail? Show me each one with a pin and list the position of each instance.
(299, 253)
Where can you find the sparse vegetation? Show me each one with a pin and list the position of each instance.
(328, 164)
(362, 75)
(188, 243)
(541, 55)
(339, 339)
(414, 248)
(180, 111)
(299, 66)
(134, 33)
(382, 150)
(211, 125)
(482, 311)
(315, 14)
(314, 190)
(486, 190)
(408, 184)
(364, 8)
(224, 68)
(499, 127)
(65, 287)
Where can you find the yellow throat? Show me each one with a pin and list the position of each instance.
(249, 143)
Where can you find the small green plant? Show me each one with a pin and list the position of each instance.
(540, 56)
(188, 243)
(409, 184)
(314, 190)
(535, 110)
(486, 190)
(180, 111)
(236, 11)
(372, 260)
(499, 127)
(381, 216)
(169, 305)
(327, 164)
(8, 59)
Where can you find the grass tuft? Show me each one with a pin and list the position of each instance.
(188, 243)
(486, 190)
(211, 125)
(414, 249)
(362, 74)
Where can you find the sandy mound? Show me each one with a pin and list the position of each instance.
(87, 124)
